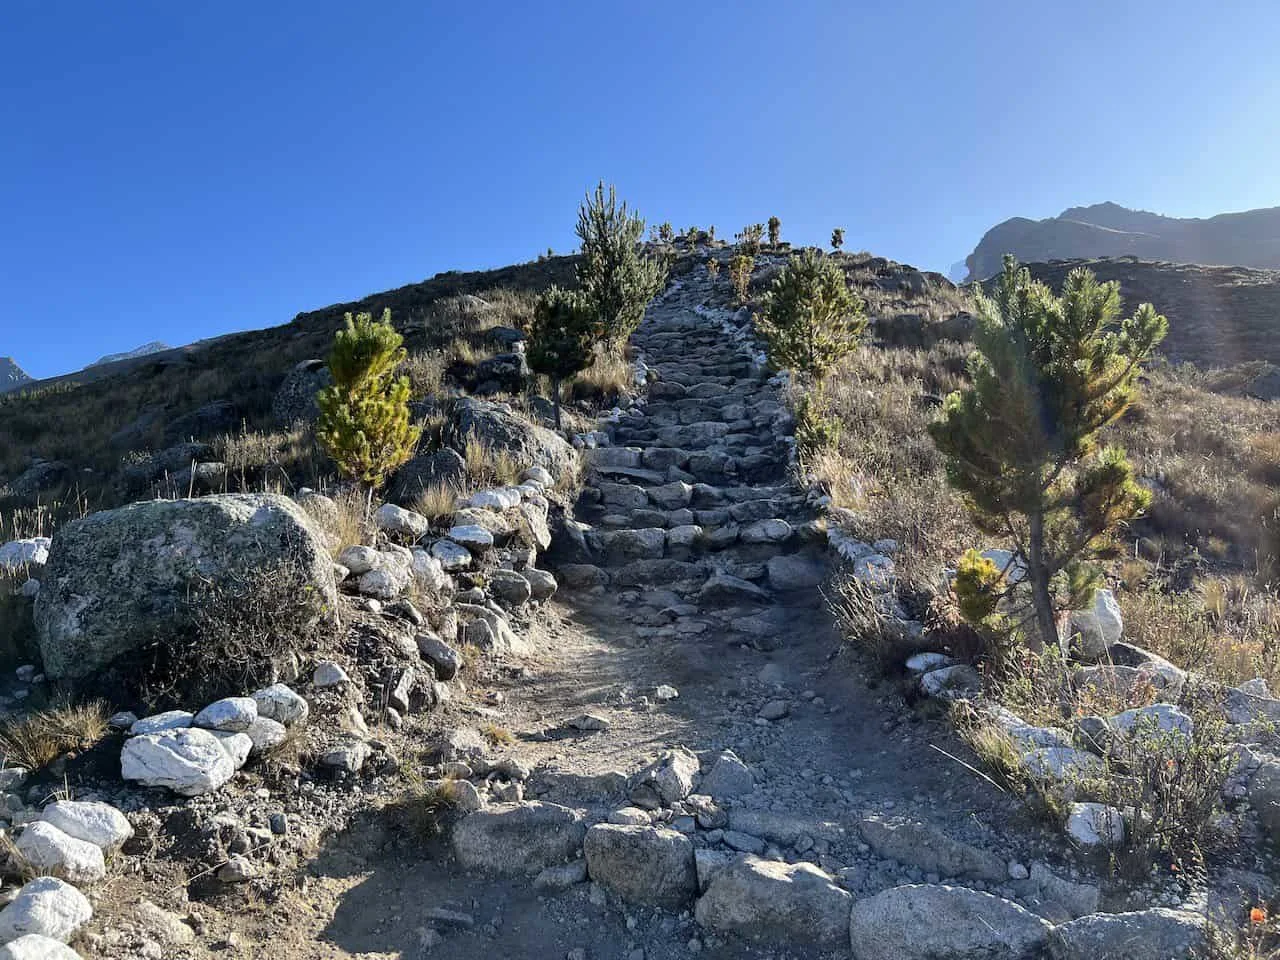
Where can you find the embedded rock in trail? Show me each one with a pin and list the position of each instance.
(936, 922)
(782, 902)
(1157, 934)
(501, 430)
(650, 865)
(117, 579)
(518, 839)
(666, 780)
(925, 846)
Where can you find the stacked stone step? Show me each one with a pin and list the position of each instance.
(695, 493)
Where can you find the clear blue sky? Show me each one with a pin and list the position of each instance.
(176, 170)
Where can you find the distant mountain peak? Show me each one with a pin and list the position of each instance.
(12, 376)
(1248, 239)
(155, 346)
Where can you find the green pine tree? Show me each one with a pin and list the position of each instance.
(561, 340)
(616, 280)
(811, 318)
(837, 238)
(364, 422)
(1022, 443)
(775, 231)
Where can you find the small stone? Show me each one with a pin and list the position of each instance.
(231, 715)
(329, 674)
(237, 870)
(588, 722)
(665, 692)
(775, 710)
(282, 704)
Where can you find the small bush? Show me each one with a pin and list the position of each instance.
(240, 632)
(562, 339)
(740, 268)
(713, 269)
(837, 238)
(749, 239)
(816, 430)
(811, 319)
(775, 231)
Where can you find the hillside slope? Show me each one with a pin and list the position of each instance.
(1218, 316)
(1250, 238)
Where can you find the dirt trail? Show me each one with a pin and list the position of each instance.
(708, 613)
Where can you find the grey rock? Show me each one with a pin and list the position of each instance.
(728, 778)
(50, 851)
(937, 922)
(295, 398)
(501, 430)
(1157, 934)
(649, 865)
(669, 778)
(794, 572)
(772, 901)
(282, 704)
(925, 846)
(510, 588)
(229, 715)
(542, 585)
(438, 468)
(517, 839)
(444, 659)
(91, 821)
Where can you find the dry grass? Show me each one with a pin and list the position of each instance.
(497, 736)
(426, 373)
(36, 739)
(487, 467)
(437, 501)
(609, 377)
(351, 524)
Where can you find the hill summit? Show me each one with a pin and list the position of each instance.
(1249, 239)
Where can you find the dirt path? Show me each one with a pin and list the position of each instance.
(690, 513)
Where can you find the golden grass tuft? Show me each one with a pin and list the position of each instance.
(498, 736)
(35, 740)
(488, 466)
(437, 501)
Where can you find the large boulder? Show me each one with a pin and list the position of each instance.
(651, 865)
(497, 427)
(937, 922)
(435, 468)
(121, 578)
(769, 900)
(45, 907)
(295, 399)
(188, 761)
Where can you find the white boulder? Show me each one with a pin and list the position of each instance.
(91, 821)
(189, 762)
(50, 851)
(35, 947)
(45, 907)
(1095, 825)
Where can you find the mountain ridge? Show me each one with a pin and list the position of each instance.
(1249, 238)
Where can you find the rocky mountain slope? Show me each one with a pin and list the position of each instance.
(12, 376)
(1250, 238)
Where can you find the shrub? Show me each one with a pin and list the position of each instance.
(837, 238)
(364, 416)
(749, 239)
(1021, 444)
(775, 231)
(562, 338)
(713, 269)
(666, 233)
(617, 282)
(241, 631)
(740, 268)
(816, 429)
(811, 319)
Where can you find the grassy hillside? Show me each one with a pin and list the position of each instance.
(94, 428)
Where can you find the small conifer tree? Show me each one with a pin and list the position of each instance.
(666, 233)
(775, 231)
(561, 339)
(364, 422)
(837, 238)
(749, 239)
(713, 268)
(811, 318)
(616, 280)
(1022, 443)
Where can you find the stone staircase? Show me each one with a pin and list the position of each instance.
(694, 495)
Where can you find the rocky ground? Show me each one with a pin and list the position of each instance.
(673, 757)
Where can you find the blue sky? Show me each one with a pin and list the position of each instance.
(174, 171)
